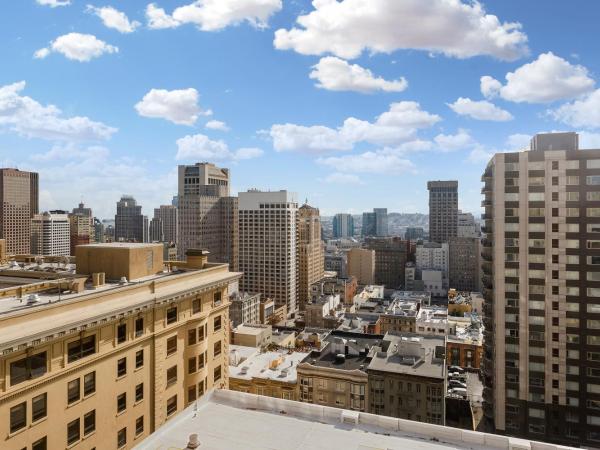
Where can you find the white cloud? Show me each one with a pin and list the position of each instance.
(335, 74)
(216, 125)
(178, 106)
(347, 28)
(518, 141)
(396, 126)
(53, 3)
(479, 155)
(29, 118)
(589, 140)
(583, 113)
(71, 152)
(547, 79)
(342, 178)
(452, 142)
(77, 46)
(479, 110)
(113, 18)
(214, 15)
(201, 147)
(378, 162)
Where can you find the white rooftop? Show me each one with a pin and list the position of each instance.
(230, 420)
(278, 366)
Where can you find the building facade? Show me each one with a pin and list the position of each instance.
(466, 226)
(19, 199)
(82, 230)
(443, 210)
(361, 265)
(130, 224)
(167, 214)
(391, 255)
(51, 234)
(244, 308)
(465, 264)
(343, 225)
(311, 263)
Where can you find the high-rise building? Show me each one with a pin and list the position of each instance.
(343, 225)
(82, 210)
(369, 227)
(50, 234)
(19, 201)
(443, 210)
(464, 264)
(268, 246)
(207, 214)
(414, 233)
(361, 264)
(542, 291)
(156, 231)
(466, 225)
(311, 264)
(167, 214)
(130, 224)
(391, 255)
(82, 225)
(381, 221)
(432, 255)
(99, 231)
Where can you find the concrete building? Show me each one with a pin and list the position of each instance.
(167, 215)
(375, 223)
(19, 199)
(252, 335)
(432, 255)
(81, 228)
(343, 225)
(433, 321)
(369, 226)
(336, 261)
(400, 315)
(244, 308)
(50, 234)
(391, 255)
(466, 225)
(464, 263)
(310, 252)
(435, 282)
(155, 232)
(269, 245)
(361, 265)
(324, 311)
(464, 346)
(414, 233)
(207, 214)
(542, 307)
(443, 210)
(105, 364)
(407, 378)
(130, 224)
(345, 287)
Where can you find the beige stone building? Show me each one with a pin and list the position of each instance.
(18, 204)
(310, 252)
(50, 234)
(102, 364)
(361, 264)
(252, 335)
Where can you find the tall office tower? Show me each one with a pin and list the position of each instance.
(167, 214)
(268, 245)
(391, 255)
(541, 284)
(310, 252)
(443, 210)
(156, 231)
(464, 263)
(99, 231)
(343, 225)
(82, 230)
(18, 203)
(82, 210)
(381, 221)
(414, 233)
(130, 224)
(207, 215)
(466, 225)
(50, 234)
(369, 227)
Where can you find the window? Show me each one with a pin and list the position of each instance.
(535, 196)
(217, 323)
(592, 164)
(121, 333)
(573, 196)
(81, 348)
(202, 331)
(40, 444)
(196, 306)
(217, 349)
(593, 260)
(537, 212)
(89, 423)
(122, 438)
(121, 402)
(139, 425)
(139, 392)
(536, 181)
(139, 359)
(89, 383)
(593, 196)
(192, 364)
(39, 407)
(171, 405)
(139, 326)
(73, 432)
(572, 212)
(73, 391)
(171, 345)
(121, 367)
(201, 389)
(18, 417)
(171, 375)
(572, 227)
(192, 336)
(171, 315)
(217, 298)
(592, 180)
(191, 394)
(217, 374)
(27, 368)
(200, 361)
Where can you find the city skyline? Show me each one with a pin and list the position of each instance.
(252, 91)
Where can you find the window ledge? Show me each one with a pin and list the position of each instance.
(89, 435)
(75, 403)
(138, 402)
(121, 413)
(40, 420)
(20, 430)
(73, 444)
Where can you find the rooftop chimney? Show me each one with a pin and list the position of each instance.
(196, 258)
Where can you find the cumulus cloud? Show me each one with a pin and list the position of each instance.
(342, 178)
(396, 126)
(373, 162)
(335, 74)
(214, 15)
(479, 155)
(580, 113)
(452, 142)
(179, 106)
(349, 27)
(77, 46)
(589, 140)
(113, 18)
(547, 79)
(201, 147)
(30, 118)
(518, 141)
(216, 125)
(479, 110)
(71, 152)
(53, 3)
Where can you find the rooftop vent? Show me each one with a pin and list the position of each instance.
(244, 370)
(340, 358)
(193, 442)
(32, 299)
(123, 280)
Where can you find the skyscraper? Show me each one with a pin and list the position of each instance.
(310, 252)
(82, 225)
(541, 286)
(268, 245)
(343, 225)
(155, 231)
(167, 214)
(130, 224)
(50, 234)
(369, 227)
(381, 222)
(443, 210)
(18, 203)
(207, 214)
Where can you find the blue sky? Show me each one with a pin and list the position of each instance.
(353, 104)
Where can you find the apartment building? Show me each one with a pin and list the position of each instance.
(19, 199)
(244, 308)
(310, 252)
(443, 210)
(464, 263)
(102, 364)
(51, 234)
(541, 283)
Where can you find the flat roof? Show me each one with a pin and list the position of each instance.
(263, 365)
(123, 245)
(231, 420)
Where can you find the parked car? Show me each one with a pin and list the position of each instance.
(456, 369)
(459, 391)
(457, 384)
